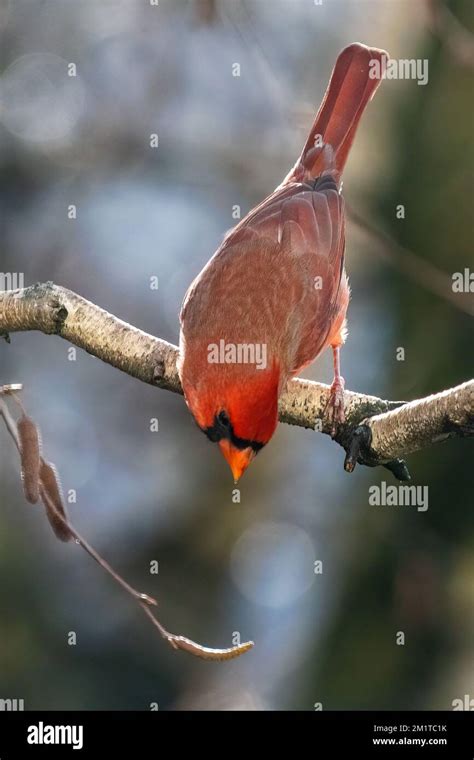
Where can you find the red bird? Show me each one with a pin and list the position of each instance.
(275, 293)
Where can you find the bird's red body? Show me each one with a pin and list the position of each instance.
(275, 294)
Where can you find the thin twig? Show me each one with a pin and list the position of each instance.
(144, 600)
(10, 424)
(422, 272)
(11, 388)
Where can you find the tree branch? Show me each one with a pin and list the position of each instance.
(412, 426)
(375, 431)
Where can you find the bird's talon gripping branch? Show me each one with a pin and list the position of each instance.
(358, 451)
(358, 442)
(399, 468)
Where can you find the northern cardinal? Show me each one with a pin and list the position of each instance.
(275, 293)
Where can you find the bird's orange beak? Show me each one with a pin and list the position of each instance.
(238, 459)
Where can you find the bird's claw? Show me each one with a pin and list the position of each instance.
(335, 406)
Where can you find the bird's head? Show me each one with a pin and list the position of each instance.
(235, 407)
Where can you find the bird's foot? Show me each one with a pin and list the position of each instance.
(335, 406)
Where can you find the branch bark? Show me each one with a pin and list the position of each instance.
(375, 431)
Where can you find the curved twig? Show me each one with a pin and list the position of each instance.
(144, 600)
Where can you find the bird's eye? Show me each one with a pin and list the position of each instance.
(223, 418)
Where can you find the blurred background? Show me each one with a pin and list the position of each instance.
(231, 569)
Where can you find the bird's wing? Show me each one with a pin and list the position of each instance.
(284, 264)
(313, 231)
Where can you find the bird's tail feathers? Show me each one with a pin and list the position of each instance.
(354, 80)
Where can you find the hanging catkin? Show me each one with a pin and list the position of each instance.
(53, 501)
(30, 457)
